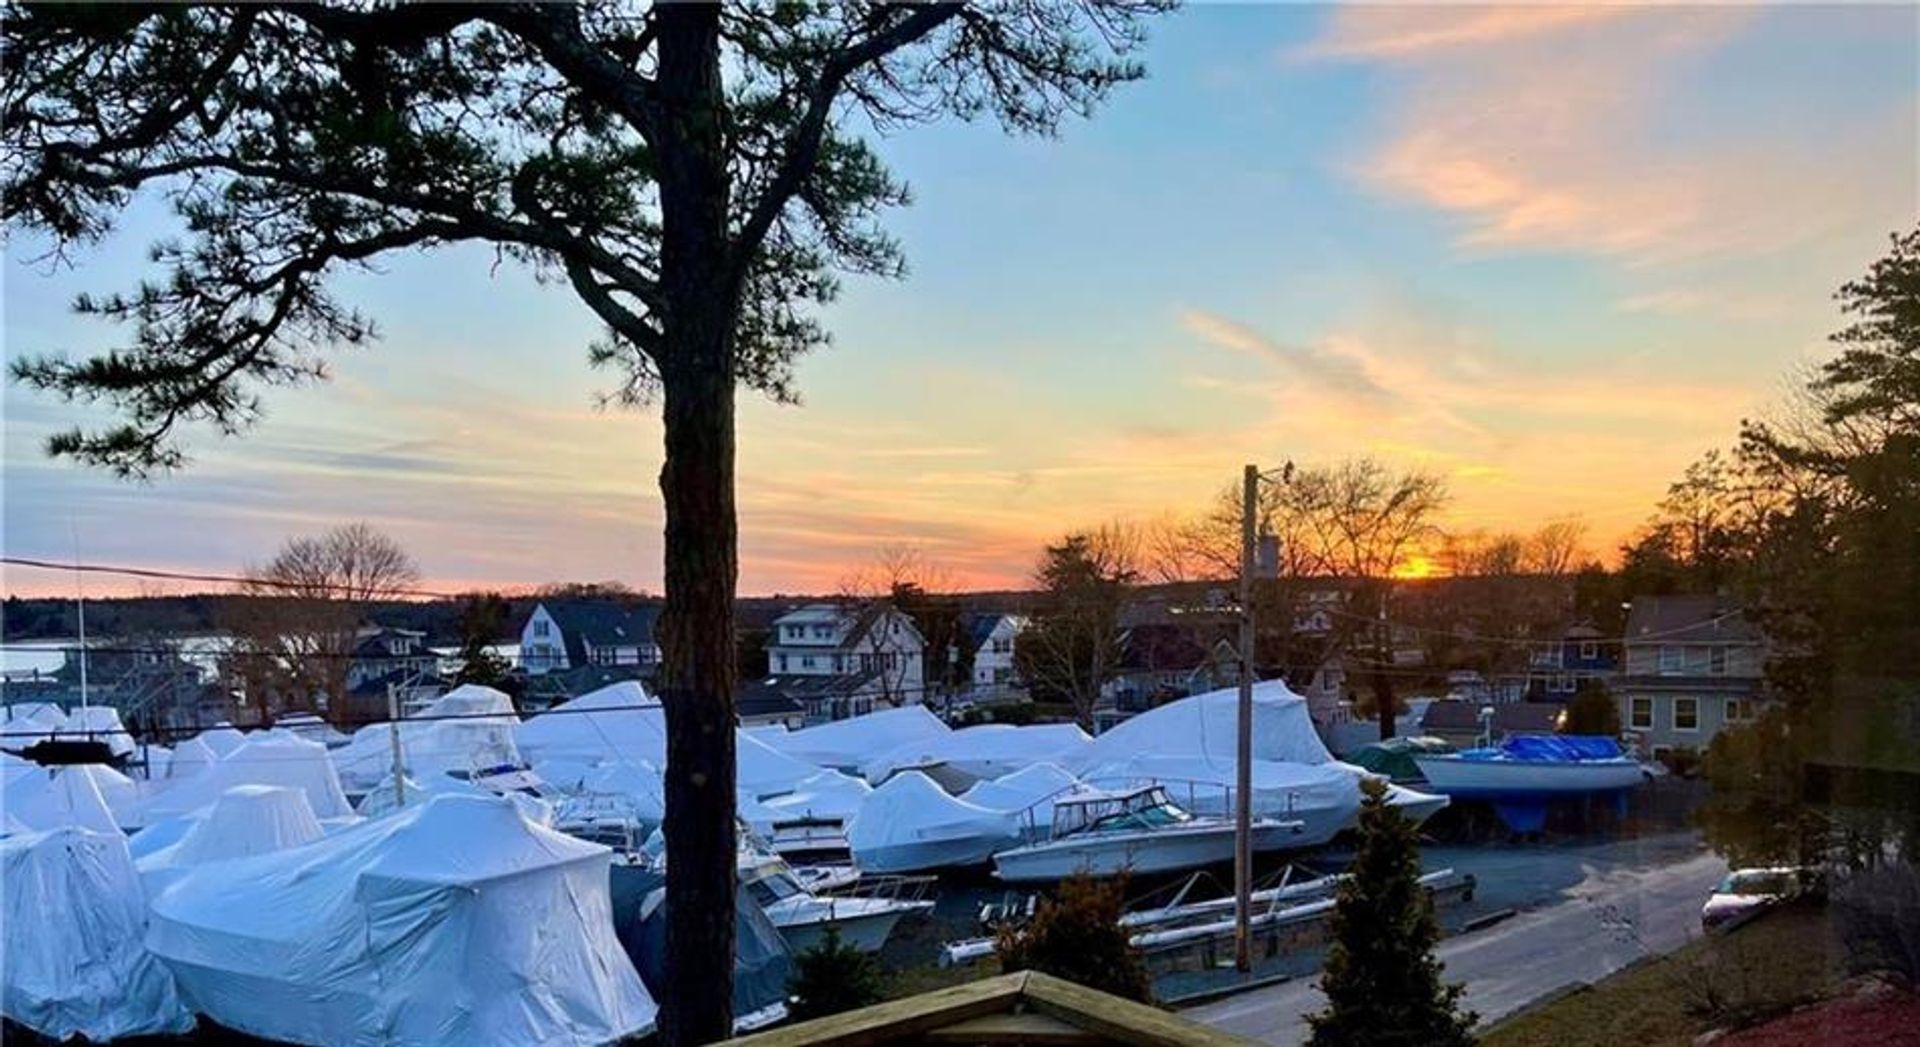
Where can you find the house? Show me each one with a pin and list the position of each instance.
(1557, 668)
(1692, 665)
(559, 635)
(385, 654)
(1461, 723)
(782, 701)
(990, 638)
(873, 650)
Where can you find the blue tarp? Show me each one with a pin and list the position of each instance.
(1550, 748)
(760, 959)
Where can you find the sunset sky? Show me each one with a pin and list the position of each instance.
(1552, 253)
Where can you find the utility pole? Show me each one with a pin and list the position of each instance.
(1243, 739)
(393, 733)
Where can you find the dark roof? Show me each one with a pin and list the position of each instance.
(977, 626)
(602, 623)
(803, 688)
(765, 698)
(563, 684)
(1508, 717)
(1688, 619)
(402, 677)
(1158, 648)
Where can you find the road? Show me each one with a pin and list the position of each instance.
(1611, 917)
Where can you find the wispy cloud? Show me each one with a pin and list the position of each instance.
(1329, 366)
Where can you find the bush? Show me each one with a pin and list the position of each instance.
(832, 977)
(1592, 711)
(1382, 980)
(1077, 936)
(1877, 916)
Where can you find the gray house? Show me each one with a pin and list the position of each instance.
(1692, 665)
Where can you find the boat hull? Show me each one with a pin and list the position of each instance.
(1526, 779)
(863, 923)
(1140, 854)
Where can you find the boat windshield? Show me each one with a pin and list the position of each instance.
(1144, 810)
(770, 889)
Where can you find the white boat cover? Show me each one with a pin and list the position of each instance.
(847, 745)
(635, 781)
(275, 759)
(620, 723)
(190, 758)
(384, 799)
(1028, 793)
(827, 794)
(222, 738)
(910, 824)
(987, 751)
(313, 729)
(1207, 724)
(245, 820)
(468, 729)
(27, 724)
(454, 922)
(74, 963)
(59, 798)
(1325, 796)
(102, 722)
(616, 722)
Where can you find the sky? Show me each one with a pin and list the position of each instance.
(1552, 253)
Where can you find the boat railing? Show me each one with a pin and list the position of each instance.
(886, 887)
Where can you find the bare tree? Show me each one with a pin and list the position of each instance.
(1072, 645)
(294, 637)
(902, 577)
(1557, 548)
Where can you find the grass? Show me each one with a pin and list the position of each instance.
(1754, 972)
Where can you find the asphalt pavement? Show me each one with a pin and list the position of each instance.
(1613, 905)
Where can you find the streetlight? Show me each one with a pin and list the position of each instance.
(1251, 562)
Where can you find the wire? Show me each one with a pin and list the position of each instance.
(225, 579)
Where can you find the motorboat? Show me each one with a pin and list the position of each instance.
(803, 918)
(809, 836)
(1524, 773)
(1139, 831)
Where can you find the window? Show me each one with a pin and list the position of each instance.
(781, 661)
(807, 662)
(1739, 710)
(1686, 714)
(540, 627)
(1640, 714)
(1589, 650)
(1671, 658)
(1717, 661)
(1563, 684)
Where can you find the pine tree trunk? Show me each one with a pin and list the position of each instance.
(696, 484)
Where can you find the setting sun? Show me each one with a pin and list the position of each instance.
(1417, 566)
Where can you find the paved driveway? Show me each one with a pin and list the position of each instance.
(1611, 917)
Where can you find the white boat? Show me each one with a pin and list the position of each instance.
(1459, 776)
(804, 918)
(1140, 831)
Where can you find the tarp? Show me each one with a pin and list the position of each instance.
(621, 723)
(1324, 796)
(455, 922)
(847, 745)
(58, 798)
(910, 824)
(468, 730)
(1393, 758)
(1550, 748)
(27, 724)
(222, 738)
(102, 723)
(74, 961)
(1207, 725)
(825, 794)
(190, 758)
(760, 958)
(987, 751)
(245, 820)
(273, 759)
(384, 799)
(1027, 793)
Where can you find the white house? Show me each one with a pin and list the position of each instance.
(990, 638)
(569, 634)
(872, 649)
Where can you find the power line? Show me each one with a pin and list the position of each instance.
(222, 579)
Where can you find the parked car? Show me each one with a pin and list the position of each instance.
(1746, 892)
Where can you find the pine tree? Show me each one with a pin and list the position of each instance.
(1077, 936)
(832, 977)
(1382, 980)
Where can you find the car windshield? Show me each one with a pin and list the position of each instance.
(1766, 882)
